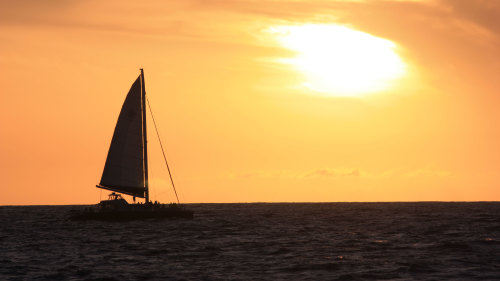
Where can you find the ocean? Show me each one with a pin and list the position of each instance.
(259, 241)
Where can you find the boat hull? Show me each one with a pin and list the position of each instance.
(133, 212)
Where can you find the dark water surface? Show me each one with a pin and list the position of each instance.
(322, 241)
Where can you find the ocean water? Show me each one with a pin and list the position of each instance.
(317, 241)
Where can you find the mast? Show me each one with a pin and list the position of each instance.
(144, 136)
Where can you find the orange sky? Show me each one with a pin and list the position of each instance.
(236, 126)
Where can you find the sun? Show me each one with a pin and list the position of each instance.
(339, 61)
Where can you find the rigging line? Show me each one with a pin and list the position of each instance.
(162, 150)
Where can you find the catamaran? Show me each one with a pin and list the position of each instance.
(126, 168)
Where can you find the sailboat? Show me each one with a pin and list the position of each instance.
(126, 168)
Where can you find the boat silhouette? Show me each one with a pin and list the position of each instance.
(126, 168)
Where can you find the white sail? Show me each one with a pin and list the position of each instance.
(124, 168)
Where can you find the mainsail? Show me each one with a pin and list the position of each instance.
(125, 169)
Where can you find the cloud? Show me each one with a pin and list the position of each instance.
(203, 19)
(428, 171)
(484, 13)
(32, 11)
(335, 173)
(317, 173)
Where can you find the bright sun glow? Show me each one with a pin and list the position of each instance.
(339, 61)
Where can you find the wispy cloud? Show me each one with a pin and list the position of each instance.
(427, 171)
(484, 13)
(326, 172)
(203, 19)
